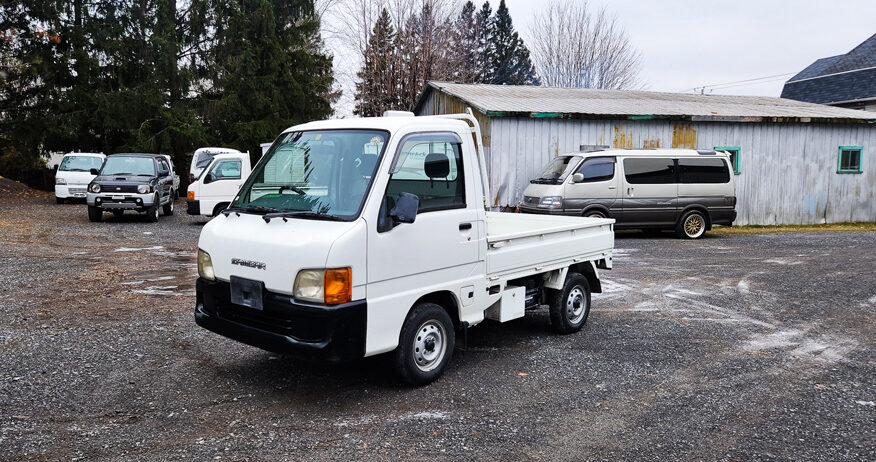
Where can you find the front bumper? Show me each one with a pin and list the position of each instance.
(194, 207)
(120, 201)
(540, 210)
(66, 191)
(331, 333)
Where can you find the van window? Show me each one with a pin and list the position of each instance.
(649, 171)
(226, 170)
(597, 169)
(703, 170)
(79, 163)
(430, 166)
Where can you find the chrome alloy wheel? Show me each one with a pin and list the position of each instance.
(694, 225)
(575, 305)
(430, 345)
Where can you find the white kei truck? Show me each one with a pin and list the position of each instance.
(217, 184)
(357, 237)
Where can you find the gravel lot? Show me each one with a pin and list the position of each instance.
(734, 347)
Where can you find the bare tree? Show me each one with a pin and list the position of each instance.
(575, 46)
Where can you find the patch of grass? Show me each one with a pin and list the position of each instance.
(845, 226)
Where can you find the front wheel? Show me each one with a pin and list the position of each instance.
(691, 226)
(95, 214)
(168, 207)
(59, 200)
(425, 344)
(570, 306)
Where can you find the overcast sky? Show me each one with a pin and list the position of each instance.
(687, 43)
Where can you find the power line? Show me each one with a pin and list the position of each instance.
(739, 83)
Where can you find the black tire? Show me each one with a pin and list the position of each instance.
(95, 214)
(168, 207)
(594, 214)
(59, 200)
(691, 226)
(570, 307)
(152, 214)
(118, 213)
(219, 208)
(428, 328)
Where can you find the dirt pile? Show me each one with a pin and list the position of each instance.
(12, 191)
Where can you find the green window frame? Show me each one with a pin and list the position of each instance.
(735, 152)
(849, 164)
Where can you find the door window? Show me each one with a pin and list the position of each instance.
(650, 171)
(430, 166)
(695, 170)
(163, 169)
(597, 169)
(226, 170)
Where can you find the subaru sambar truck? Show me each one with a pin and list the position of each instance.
(357, 237)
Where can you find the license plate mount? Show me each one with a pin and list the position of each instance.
(247, 292)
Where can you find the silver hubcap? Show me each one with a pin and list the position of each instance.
(429, 345)
(171, 204)
(694, 226)
(575, 305)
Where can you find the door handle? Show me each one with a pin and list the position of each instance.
(464, 226)
(612, 187)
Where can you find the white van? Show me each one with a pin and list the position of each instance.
(202, 157)
(218, 183)
(681, 189)
(74, 174)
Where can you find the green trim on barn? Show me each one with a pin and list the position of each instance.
(839, 159)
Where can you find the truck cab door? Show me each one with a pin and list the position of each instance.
(220, 183)
(596, 190)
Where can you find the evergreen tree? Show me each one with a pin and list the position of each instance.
(268, 71)
(484, 41)
(464, 46)
(509, 62)
(377, 90)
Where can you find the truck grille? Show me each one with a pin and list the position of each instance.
(118, 188)
(77, 190)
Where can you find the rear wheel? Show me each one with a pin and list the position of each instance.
(570, 306)
(691, 226)
(594, 214)
(425, 344)
(95, 214)
(168, 207)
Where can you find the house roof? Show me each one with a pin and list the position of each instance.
(550, 102)
(838, 79)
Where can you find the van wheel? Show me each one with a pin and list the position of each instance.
(425, 344)
(691, 226)
(219, 208)
(59, 200)
(594, 214)
(168, 207)
(570, 306)
(95, 214)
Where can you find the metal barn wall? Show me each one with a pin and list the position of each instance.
(789, 170)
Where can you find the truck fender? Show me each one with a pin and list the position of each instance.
(556, 278)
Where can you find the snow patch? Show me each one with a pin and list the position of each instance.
(804, 345)
(427, 415)
(779, 261)
(140, 249)
(742, 287)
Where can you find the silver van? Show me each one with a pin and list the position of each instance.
(652, 189)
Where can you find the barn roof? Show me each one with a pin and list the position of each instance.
(549, 102)
(838, 79)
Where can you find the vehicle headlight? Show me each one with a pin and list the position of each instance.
(95, 188)
(143, 189)
(330, 286)
(60, 181)
(551, 202)
(205, 266)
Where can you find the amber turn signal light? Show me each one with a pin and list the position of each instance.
(338, 285)
(191, 195)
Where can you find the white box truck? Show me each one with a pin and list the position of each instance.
(357, 237)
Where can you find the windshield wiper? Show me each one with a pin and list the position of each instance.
(301, 214)
(292, 188)
(544, 181)
(74, 170)
(250, 209)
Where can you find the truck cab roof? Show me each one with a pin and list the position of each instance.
(390, 124)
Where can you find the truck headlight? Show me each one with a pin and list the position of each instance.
(330, 286)
(551, 202)
(144, 188)
(60, 181)
(205, 266)
(94, 187)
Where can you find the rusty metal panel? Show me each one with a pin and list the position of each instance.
(684, 136)
(623, 138)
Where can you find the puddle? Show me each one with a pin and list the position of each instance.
(179, 281)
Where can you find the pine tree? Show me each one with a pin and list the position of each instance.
(377, 90)
(484, 25)
(464, 46)
(508, 56)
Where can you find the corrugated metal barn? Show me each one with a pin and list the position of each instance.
(796, 162)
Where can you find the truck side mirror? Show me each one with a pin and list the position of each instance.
(392, 214)
(578, 178)
(94, 171)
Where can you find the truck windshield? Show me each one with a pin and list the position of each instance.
(320, 172)
(556, 170)
(79, 163)
(124, 165)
